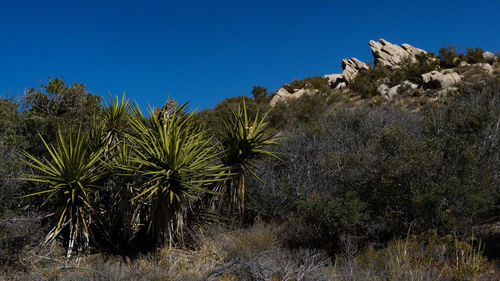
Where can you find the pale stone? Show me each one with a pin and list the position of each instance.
(463, 64)
(489, 57)
(391, 55)
(335, 80)
(427, 77)
(407, 83)
(341, 85)
(351, 67)
(447, 80)
(484, 67)
(280, 96)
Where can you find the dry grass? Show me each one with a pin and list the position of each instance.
(423, 257)
(256, 254)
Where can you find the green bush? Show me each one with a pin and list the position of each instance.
(474, 55)
(313, 83)
(367, 81)
(321, 220)
(302, 110)
(259, 94)
(212, 118)
(450, 57)
(412, 70)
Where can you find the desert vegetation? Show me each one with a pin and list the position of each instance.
(338, 185)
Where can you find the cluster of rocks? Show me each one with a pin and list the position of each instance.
(391, 56)
(283, 94)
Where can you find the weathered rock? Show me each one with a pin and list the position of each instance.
(391, 55)
(413, 51)
(447, 71)
(444, 79)
(463, 64)
(281, 95)
(302, 92)
(382, 89)
(427, 77)
(409, 84)
(484, 67)
(489, 57)
(388, 93)
(444, 92)
(336, 81)
(341, 85)
(351, 67)
(332, 78)
(447, 80)
(387, 54)
(392, 92)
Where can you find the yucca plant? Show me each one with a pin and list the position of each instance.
(178, 162)
(71, 178)
(244, 142)
(115, 121)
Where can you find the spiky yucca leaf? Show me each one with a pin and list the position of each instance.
(244, 142)
(71, 177)
(116, 117)
(178, 161)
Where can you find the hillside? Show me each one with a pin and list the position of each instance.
(386, 171)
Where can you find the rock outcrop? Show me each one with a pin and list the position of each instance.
(283, 95)
(351, 67)
(441, 79)
(489, 57)
(390, 55)
(388, 93)
(336, 81)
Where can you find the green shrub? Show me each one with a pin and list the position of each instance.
(259, 94)
(302, 110)
(450, 57)
(313, 83)
(412, 70)
(323, 219)
(212, 118)
(474, 55)
(367, 81)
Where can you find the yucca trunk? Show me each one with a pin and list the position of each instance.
(168, 222)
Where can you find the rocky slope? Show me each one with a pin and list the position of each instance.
(392, 57)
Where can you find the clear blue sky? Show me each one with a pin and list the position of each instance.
(205, 51)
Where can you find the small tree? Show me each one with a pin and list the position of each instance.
(259, 93)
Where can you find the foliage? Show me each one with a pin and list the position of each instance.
(450, 56)
(306, 109)
(11, 142)
(244, 142)
(367, 81)
(211, 118)
(55, 104)
(436, 172)
(115, 122)
(474, 55)
(313, 83)
(71, 178)
(259, 94)
(178, 162)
